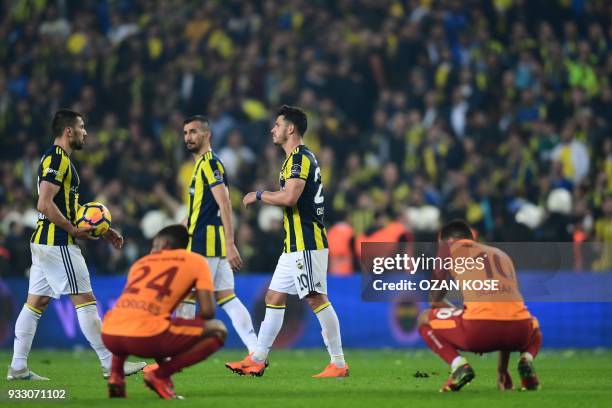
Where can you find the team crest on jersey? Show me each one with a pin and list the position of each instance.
(217, 175)
(299, 264)
(296, 169)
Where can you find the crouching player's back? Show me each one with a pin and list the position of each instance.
(140, 323)
(494, 317)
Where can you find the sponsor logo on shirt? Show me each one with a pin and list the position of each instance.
(296, 169)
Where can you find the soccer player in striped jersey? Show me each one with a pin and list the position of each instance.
(58, 267)
(211, 233)
(302, 268)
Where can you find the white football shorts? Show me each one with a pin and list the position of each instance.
(300, 273)
(58, 270)
(222, 274)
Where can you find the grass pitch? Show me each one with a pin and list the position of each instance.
(379, 378)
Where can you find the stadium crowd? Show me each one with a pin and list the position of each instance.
(419, 111)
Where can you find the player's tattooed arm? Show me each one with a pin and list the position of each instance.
(283, 198)
(47, 191)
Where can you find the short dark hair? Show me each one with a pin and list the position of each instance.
(296, 116)
(177, 236)
(62, 119)
(196, 118)
(456, 228)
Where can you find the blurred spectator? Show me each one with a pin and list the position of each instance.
(237, 158)
(472, 107)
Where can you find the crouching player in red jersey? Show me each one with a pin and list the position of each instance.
(491, 320)
(140, 322)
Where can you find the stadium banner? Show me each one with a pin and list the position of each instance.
(364, 324)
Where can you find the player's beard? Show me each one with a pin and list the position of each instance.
(194, 147)
(77, 144)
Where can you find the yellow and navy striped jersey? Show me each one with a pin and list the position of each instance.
(304, 229)
(56, 168)
(206, 234)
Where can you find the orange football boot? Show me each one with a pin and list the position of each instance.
(152, 367)
(161, 386)
(248, 366)
(333, 371)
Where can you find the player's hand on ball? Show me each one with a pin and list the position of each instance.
(114, 237)
(233, 257)
(83, 233)
(249, 199)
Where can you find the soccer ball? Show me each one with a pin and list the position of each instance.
(95, 215)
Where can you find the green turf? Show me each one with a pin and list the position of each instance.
(378, 379)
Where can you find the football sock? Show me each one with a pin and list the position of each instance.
(331, 332)
(195, 354)
(527, 356)
(25, 329)
(268, 331)
(325, 341)
(91, 326)
(117, 366)
(458, 362)
(241, 320)
(438, 345)
(186, 310)
(534, 344)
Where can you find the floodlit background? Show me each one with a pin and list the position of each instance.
(419, 111)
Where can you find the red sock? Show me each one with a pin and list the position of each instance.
(438, 345)
(117, 366)
(534, 344)
(197, 353)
